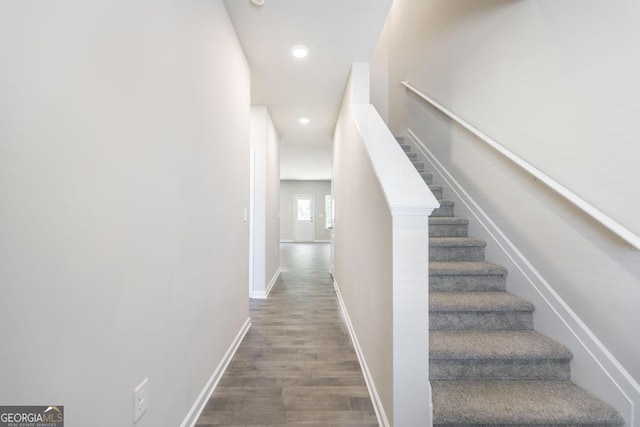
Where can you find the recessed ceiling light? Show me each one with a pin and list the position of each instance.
(257, 2)
(300, 51)
(303, 120)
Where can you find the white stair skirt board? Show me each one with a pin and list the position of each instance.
(265, 294)
(598, 372)
(375, 398)
(195, 411)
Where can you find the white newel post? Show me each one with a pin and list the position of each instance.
(412, 392)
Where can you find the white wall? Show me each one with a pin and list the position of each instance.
(380, 257)
(379, 70)
(288, 190)
(555, 83)
(265, 145)
(124, 165)
(363, 252)
(272, 205)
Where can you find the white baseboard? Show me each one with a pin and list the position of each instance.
(273, 280)
(375, 398)
(195, 411)
(265, 294)
(613, 382)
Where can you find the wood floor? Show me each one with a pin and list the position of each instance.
(296, 365)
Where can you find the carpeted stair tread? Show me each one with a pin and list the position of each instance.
(448, 220)
(477, 301)
(488, 367)
(456, 249)
(466, 276)
(456, 241)
(518, 403)
(506, 345)
(445, 209)
(467, 268)
(448, 226)
(477, 310)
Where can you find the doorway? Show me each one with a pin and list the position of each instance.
(303, 209)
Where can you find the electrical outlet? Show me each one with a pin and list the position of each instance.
(140, 400)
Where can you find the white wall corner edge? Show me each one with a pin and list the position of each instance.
(194, 413)
(622, 391)
(373, 392)
(265, 294)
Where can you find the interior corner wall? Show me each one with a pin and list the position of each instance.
(379, 74)
(124, 173)
(288, 189)
(389, 64)
(265, 144)
(554, 82)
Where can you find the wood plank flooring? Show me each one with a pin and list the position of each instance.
(296, 365)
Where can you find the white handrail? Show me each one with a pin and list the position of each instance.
(402, 186)
(604, 219)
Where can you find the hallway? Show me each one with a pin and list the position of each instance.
(296, 365)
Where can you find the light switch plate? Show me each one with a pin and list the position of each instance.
(140, 399)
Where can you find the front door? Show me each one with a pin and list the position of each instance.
(303, 216)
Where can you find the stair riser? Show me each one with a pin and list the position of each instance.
(443, 211)
(437, 193)
(456, 253)
(419, 166)
(412, 156)
(498, 370)
(518, 425)
(448, 230)
(405, 147)
(496, 320)
(427, 178)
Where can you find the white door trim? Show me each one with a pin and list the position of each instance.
(295, 216)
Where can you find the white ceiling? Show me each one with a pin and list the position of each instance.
(337, 33)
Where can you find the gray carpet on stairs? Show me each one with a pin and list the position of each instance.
(487, 364)
(521, 403)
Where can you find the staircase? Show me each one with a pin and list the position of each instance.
(488, 366)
